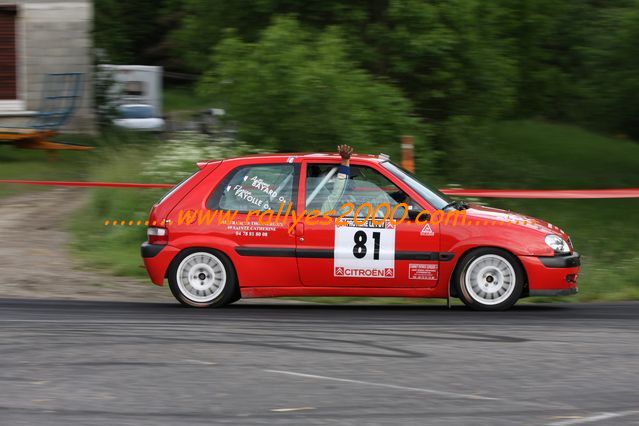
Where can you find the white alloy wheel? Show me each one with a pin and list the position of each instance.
(490, 279)
(201, 277)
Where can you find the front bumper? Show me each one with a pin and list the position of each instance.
(552, 276)
(566, 261)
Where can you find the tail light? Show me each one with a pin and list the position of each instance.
(157, 235)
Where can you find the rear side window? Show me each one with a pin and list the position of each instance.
(260, 187)
(176, 187)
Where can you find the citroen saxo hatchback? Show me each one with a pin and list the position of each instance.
(283, 225)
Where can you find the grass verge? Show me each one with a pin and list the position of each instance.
(38, 165)
(105, 230)
(538, 155)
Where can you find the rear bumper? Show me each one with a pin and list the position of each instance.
(148, 250)
(157, 258)
(552, 276)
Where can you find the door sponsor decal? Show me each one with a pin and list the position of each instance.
(427, 231)
(421, 271)
(366, 251)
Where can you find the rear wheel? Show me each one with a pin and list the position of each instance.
(203, 278)
(489, 279)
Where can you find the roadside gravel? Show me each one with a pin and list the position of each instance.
(35, 260)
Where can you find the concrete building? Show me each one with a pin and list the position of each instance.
(39, 37)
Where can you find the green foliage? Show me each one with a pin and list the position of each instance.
(444, 55)
(135, 32)
(204, 22)
(576, 61)
(455, 60)
(294, 89)
(543, 37)
(185, 98)
(611, 83)
(538, 155)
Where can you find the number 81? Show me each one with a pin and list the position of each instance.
(359, 249)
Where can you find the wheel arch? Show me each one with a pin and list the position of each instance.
(215, 251)
(452, 291)
(183, 253)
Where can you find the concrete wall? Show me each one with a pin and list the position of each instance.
(54, 36)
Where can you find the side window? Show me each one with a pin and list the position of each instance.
(325, 191)
(260, 187)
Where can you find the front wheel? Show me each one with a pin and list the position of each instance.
(203, 278)
(489, 279)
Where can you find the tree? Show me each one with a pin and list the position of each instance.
(135, 32)
(610, 82)
(444, 55)
(293, 90)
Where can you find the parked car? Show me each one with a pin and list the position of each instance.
(212, 237)
(139, 117)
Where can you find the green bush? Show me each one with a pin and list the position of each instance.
(295, 90)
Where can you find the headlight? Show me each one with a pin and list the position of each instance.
(557, 244)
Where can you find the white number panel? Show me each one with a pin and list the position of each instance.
(364, 251)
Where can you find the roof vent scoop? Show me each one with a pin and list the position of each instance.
(383, 156)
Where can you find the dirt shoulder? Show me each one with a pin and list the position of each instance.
(35, 260)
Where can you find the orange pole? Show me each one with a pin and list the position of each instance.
(408, 158)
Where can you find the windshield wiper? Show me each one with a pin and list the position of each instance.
(459, 205)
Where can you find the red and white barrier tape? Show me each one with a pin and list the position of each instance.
(89, 184)
(545, 193)
(481, 193)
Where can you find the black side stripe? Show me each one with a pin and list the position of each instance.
(266, 251)
(445, 256)
(314, 253)
(416, 255)
(328, 253)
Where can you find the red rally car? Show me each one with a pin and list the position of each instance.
(281, 225)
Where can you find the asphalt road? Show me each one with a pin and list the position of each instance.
(113, 363)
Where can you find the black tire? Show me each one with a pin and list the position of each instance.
(229, 293)
(489, 255)
(237, 295)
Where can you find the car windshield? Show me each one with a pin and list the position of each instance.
(431, 194)
(136, 111)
